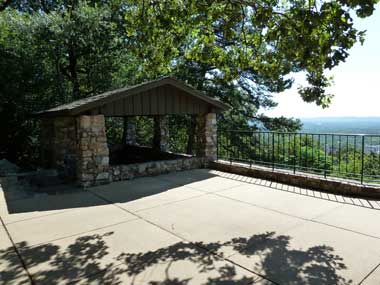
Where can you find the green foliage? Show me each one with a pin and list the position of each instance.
(179, 127)
(49, 57)
(260, 41)
(144, 131)
(241, 52)
(114, 130)
(345, 156)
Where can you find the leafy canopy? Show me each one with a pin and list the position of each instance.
(240, 51)
(261, 42)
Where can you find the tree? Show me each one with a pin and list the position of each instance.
(51, 54)
(239, 51)
(4, 4)
(247, 43)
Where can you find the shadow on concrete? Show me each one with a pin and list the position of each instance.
(21, 198)
(275, 260)
(315, 265)
(343, 199)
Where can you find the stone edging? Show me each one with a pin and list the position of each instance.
(314, 182)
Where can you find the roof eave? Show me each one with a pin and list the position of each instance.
(117, 94)
(48, 114)
(200, 94)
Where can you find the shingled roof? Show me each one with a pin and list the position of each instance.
(134, 100)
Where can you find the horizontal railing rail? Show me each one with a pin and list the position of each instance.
(348, 156)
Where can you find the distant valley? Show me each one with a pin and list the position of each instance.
(346, 125)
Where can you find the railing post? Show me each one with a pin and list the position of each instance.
(272, 151)
(294, 154)
(267, 152)
(362, 165)
(217, 144)
(325, 156)
(230, 150)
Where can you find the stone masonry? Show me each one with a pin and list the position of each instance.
(206, 136)
(77, 148)
(161, 133)
(58, 146)
(152, 168)
(93, 153)
(303, 180)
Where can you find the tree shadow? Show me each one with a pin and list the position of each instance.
(50, 264)
(21, 198)
(281, 263)
(85, 260)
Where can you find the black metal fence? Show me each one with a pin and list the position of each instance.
(355, 157)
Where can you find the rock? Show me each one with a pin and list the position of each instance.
(105, 161)
(116, 171)
(86, 177)
(102, 176)
(84, 122)
(8, 168)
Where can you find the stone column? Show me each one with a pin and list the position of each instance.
(93, 153)
(161, 133)
(59, 146)
(46, 143)
(129, 136)
(206, 136)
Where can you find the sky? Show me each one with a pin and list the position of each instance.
(356, 86)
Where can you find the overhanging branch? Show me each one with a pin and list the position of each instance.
(4, 5)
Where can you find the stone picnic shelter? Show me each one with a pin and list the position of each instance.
(74, 141)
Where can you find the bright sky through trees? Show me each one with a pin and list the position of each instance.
(357, 81)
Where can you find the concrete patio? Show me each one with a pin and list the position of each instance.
(191, 227)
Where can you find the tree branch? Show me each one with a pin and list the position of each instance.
(5, 4)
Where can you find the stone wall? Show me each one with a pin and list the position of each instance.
(206, 139)
(93, 153)
(59, 146)
(130, 171)
(77, 148)
(309, 181)
(161, 133)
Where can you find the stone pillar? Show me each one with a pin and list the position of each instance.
(161, 133)
(93, 153)
(129, 137)
(46, 143)
(58, 146)
(206, 136)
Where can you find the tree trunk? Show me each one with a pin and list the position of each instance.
(129, 131)
(59, 77)
(156, 132)
(73, 60)
(125, 130)
(193, 123)
(191, 135)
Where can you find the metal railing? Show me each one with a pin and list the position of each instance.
(348, 156)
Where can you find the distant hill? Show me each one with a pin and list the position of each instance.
(347, 125)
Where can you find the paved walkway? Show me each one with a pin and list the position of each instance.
(192, 227)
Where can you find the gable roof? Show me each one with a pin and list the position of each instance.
(82, 106)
